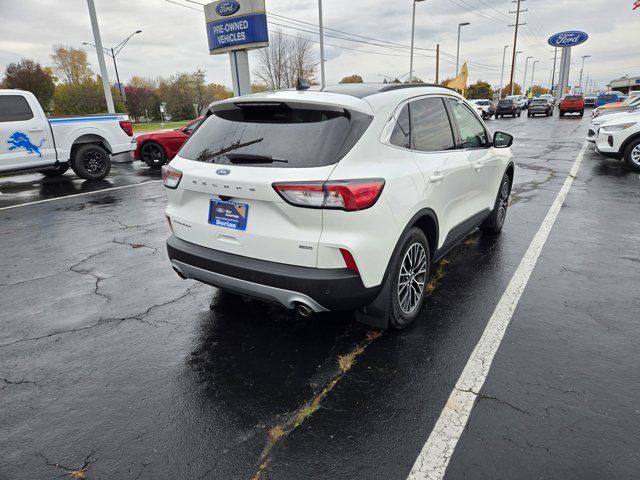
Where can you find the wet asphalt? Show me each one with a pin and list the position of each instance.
(113, 367)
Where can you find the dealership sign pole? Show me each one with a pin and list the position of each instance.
(235, 27)
(566, 40)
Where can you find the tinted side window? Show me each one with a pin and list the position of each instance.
(430, 127)
(472, 132)
(401, 135)
(14, 108)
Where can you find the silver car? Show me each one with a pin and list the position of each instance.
(540, 106)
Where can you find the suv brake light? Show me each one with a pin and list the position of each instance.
(171, 176)
(349, 195)
(127, 127)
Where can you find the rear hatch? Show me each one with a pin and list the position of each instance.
(573, 101)
(226, 200)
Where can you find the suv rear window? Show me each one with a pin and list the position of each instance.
(573, 98)
(273, 134)
(608, 96)
(505, 103)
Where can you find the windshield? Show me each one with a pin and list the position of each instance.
(506, 103)
(608, 96)
(573, 98)
(482, 102)
(539, 102)
(275, 135)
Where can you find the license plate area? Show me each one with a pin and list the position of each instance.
(228, 214)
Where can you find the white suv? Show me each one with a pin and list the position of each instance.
(619, 137)
(338, 199)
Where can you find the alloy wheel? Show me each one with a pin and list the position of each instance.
(93, 162)
(503, 202)
(635, 155)
(412, 278)
(152, 153)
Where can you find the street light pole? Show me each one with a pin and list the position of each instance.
(533, 71)
(113, 52)
(582, 68)
(322, 76)
(460, 25)
(524, 80)
(413, 34)
(513, 67)
(504, 54)
(103, 68)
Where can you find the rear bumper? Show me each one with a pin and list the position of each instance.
(572, 109)
(320, 289)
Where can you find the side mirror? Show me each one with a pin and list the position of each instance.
(502, 140)
(186, 131)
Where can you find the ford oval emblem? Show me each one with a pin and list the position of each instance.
(223, 171)
(568, 39)
(227, 7)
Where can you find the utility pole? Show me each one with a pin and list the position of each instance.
(413, 34)
(437, 64)
(515, 39)
(464, 24)
(524, 79)
(103, 67)
(533, 71)
(582, 68)
(322, 77)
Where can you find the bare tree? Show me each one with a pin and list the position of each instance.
(71, 64)
(285, 60)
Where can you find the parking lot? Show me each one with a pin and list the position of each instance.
(111, 366)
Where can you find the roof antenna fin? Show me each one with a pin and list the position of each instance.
(302, 84)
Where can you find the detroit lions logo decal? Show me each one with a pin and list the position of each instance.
(21, 140)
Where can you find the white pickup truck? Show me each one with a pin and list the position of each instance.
(30, 141)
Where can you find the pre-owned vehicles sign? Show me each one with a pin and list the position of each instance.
(236, 25)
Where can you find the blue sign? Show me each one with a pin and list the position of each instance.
(568, 39)
(242, 30)
(224, 9)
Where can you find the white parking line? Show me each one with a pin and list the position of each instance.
(432, 462)
(80, 194)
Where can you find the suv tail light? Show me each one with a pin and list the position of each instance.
(171, 176)
(349, 260)
(127, 127)
(346, 195)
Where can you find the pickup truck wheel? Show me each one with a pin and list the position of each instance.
(410, 274)
(153, 155)
(581, 113)
(494, 222)
(91, 162)
(58, 171)
(632, 155)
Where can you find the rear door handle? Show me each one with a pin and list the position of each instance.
(436, 177)
(35, 129)
(478, 166)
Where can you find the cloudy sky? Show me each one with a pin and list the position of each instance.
(173, 36)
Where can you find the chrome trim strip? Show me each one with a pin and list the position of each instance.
(287, 298)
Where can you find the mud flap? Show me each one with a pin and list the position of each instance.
(376, 314)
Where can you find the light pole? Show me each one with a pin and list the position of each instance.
(322, 77)
(113, 52)
(504, 54)
(582, 68)
(524, 80)
(413, 33)
(533, 71)
(99, 50)
(513, 67)
(460, 25)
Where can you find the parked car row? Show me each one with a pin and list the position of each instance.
(618, 136)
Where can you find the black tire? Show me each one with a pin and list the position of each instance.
(561, 114)
(633, 152)
(519, 114)
(91, 162)
(494, 222)
(400, 315)
(58, 171)
(153, 154)
(582, 114)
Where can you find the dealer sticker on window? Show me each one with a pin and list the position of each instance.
(228, 214)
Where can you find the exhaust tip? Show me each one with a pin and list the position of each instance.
(303, 310)
(180, 274)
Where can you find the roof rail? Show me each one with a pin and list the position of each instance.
(397, 86)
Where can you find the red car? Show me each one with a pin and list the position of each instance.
(157, 148)
(572, 104)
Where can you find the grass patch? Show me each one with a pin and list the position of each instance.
(153, 126)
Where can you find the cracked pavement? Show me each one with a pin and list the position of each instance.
(113, 367)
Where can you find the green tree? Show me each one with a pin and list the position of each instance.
(83, 98)
(479, 89)
(141, 101)
(71, 64)
(29, 75)
(517, 90)
(352, 79)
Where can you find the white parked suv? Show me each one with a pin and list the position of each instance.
(338, 199)
(619, 138)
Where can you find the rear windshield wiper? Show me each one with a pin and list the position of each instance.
(239, 158)
(207, 155)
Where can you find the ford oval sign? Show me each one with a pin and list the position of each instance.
(568, 39)
(223, 171)
(228, 7)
